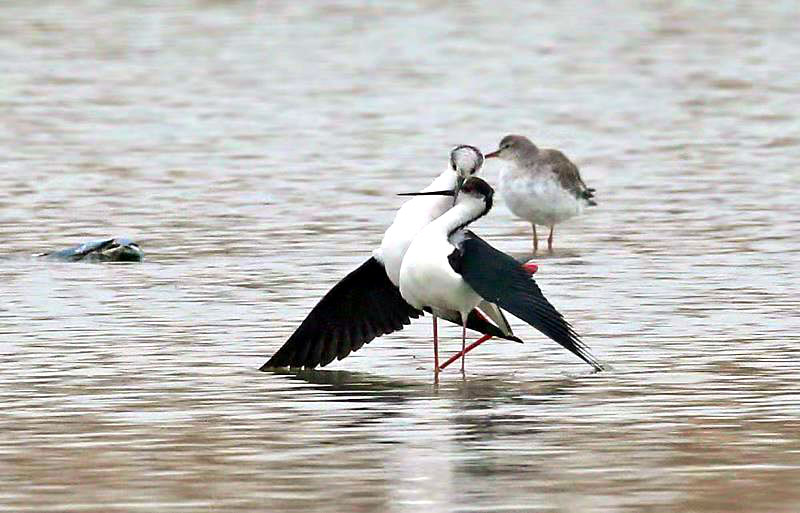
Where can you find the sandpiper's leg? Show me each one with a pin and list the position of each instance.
(550, 239)
(535, 239)
(435, 350)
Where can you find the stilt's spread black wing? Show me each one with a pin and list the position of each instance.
(500, 279)
(364, 305)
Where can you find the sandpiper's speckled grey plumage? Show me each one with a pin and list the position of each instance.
(541, 186)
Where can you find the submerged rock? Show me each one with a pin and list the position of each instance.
(106, 250)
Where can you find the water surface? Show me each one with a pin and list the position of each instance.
(254, 150)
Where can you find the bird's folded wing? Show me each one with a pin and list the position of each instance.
(364, 305)
(496, 315)
(500, 279)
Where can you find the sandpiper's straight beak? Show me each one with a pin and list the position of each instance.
(429, 193)
(492, 154)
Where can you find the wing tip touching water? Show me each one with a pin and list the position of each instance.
(500, 279)
(361, 307)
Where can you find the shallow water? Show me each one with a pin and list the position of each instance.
(254, 150)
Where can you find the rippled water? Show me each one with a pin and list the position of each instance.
(254, 149)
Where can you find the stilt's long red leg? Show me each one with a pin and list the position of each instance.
(463, 345)
(435, 347)
(466, 350)
(531, 268)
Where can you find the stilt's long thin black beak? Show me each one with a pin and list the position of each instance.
(429, 193)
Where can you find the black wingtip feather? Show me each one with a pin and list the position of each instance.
(500, 279)
(364, 305)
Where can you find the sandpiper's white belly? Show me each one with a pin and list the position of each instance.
(538, 198)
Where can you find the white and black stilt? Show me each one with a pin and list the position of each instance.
(449, 270)
(367, 303)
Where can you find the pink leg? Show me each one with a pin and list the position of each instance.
(465, 351)
(531, 268)
(550, 239)
(463, 346)
(435, 350)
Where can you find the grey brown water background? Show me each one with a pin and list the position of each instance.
(254, 149)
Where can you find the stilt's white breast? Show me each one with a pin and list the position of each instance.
(413, 216)
(427, 280)
(426, 277)
(398, 238)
